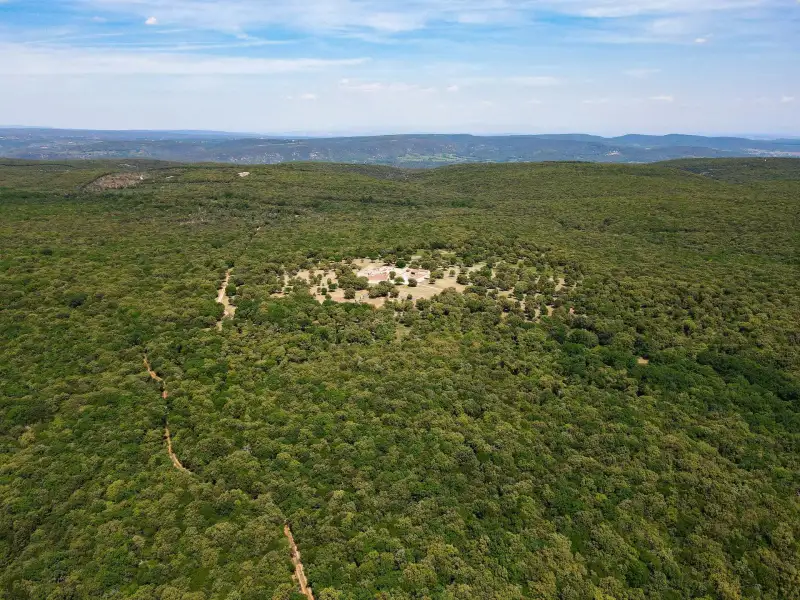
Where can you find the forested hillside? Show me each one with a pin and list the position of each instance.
(606, 405)
(410, 151)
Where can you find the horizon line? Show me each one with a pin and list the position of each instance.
(351, 134)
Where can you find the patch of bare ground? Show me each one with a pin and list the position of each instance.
(299, 571)
(322, 279)
(642, 361)
(116, 181)
(222, 298)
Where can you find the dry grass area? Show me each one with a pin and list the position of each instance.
(322, 279)
(423, 290)
(116, 181)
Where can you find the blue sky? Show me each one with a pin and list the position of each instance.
(390, 66)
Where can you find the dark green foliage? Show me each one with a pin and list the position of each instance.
(468, 446)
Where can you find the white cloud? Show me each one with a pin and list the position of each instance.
(20, 59)
(460, 59)
(534, 81)
(308, 96)
(641, 73)
(787, 99)
(615, 9)
(151, 21)
(701, 40)
(393, 16)
(365, 87)
(372, 87)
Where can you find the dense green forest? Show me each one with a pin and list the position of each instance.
(633, 433)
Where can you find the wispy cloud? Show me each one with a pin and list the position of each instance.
(545, 81)
(616, 9)
(641, 73)
(391, 16)
(372, 87)
(19, 59)
(433, 62)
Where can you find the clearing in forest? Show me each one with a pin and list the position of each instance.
(116, 181)
(382, 281)
(375, 272)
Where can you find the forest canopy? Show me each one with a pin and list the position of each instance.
(600, 399)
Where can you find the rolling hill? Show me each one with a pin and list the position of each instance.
(396, 150)
(594, 391)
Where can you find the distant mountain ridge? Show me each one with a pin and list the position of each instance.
(406, 150)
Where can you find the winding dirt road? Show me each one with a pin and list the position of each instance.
(175, 462)
(299, 572)
(230, 310)
(154, 376)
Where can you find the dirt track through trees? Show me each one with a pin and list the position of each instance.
(173, 458)
(299, 572)
(175, 462)
(222, 298)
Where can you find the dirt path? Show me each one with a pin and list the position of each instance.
(154, 376)
(175, 462)
(222, 298)
(299, 572)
